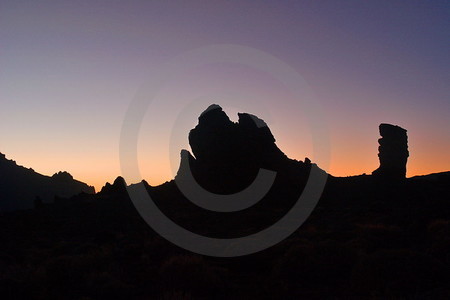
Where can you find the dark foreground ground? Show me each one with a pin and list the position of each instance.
(364, 239)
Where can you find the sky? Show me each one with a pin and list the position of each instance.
(69, 71)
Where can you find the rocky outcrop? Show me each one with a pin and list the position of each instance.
(23, 188)
(62, 176)
(227, 156)
(393, 152)
(118, 186)
(236, 180)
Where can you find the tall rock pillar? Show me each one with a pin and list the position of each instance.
(393, 152)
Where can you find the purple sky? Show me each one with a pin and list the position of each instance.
(69, 70)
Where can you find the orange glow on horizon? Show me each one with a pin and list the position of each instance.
(341, 165)
(352, 152)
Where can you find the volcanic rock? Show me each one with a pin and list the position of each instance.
(227, 156)
(393, 152)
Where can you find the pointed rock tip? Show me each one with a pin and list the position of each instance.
(119, 180)
(185, 154)
(211, 108)
(213, 116)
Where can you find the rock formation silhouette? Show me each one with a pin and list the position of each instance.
(227, 156)
(364, 239)
(393, 152)
(118, 186)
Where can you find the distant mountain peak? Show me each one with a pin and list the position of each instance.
(62, 175)
(20, 186)
(119, 185)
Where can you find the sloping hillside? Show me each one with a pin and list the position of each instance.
(20, 187)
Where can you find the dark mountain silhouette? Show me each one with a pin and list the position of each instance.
(436, 177)
(118, 187)
(22, 188)
(370, 236)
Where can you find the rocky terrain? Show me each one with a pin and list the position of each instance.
(366, 238)
(22, 188)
